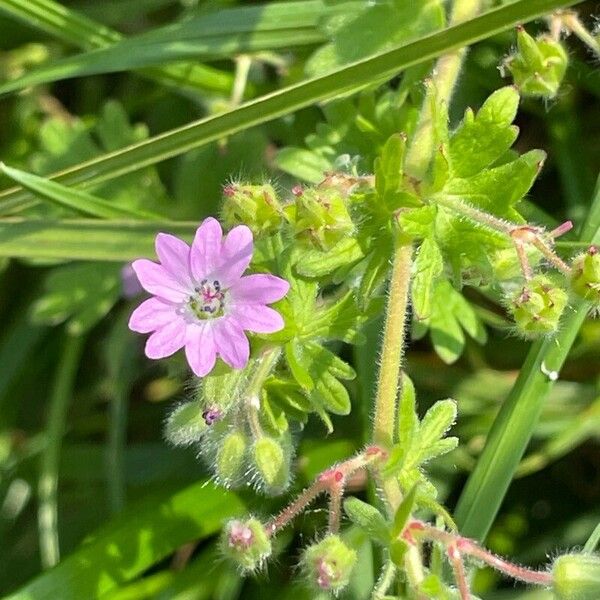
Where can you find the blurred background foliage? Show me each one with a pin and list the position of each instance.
(81, 409)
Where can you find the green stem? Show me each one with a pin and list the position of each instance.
(445, 76)
(384, 420)
(512, 430)
(264, 365)
(62, 392)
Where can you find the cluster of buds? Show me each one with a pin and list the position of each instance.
(246, 543)
(585, 275)
(539, 65)
(256, 206)
(328, 564)
(319, 216)
(537, 307)
(239, 457)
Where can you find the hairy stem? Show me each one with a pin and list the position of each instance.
(264, 365)
(384, 420)
(445, 76)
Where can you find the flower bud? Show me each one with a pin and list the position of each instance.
(186, 424)
(256, 206)
(576, 577)
(321, 217)
(585, 275)
(538, 306)
(329, 563)
(246, 543)
(539, 65)
(271, 460)
(230, 461)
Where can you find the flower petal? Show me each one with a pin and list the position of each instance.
(259, 289)
(166, 340)
(174, 256)
(231, 342)
(237, 253)
(257, 318)
(200, 349)
(206, 249)
(152, 314)
(158, 281)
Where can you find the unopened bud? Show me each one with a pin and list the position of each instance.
(246, 543)
(321, 217)
(539, 66)
(271, 460)
(185, 425)
(576, 577)
(585, 275)
(230, 461)
(329, 563)
(538, 306)
(256, 206)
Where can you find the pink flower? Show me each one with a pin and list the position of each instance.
(201, 301)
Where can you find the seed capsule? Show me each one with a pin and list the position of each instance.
(246, 543)
(576, 577)
(585, 275)
(329, 563)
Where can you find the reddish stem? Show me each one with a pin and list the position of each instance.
(469, 547)
(332, 481)
(458, 567)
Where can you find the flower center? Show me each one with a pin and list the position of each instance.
(208, 301)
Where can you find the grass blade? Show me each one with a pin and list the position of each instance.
(62, 393)
(78, 30)
(85, 239)
(77, 200)
(289, 99)
(511, 432)
(210, 36)
(135, 541)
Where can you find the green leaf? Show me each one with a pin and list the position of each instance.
(429, 265)
(317, 263)
(498, 189)
(438, 448)
(398, 549)
(76, 200)
(482, 139)
(79, 293)
(404, 511)
(394, 22)
(369, 519)
(418, 222)
(303, 164)
(296, 363)
(436, 422)
(292, 98)
(127, 547)
(339, 319)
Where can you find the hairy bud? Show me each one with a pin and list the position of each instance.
(271, 459)
(246, 543)
(585, 275)
(186, 424)
(539, 65)
(231, 454)
(321, 217)
(256, 206)
(576, 577)
(538, 306)
(329, 563)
